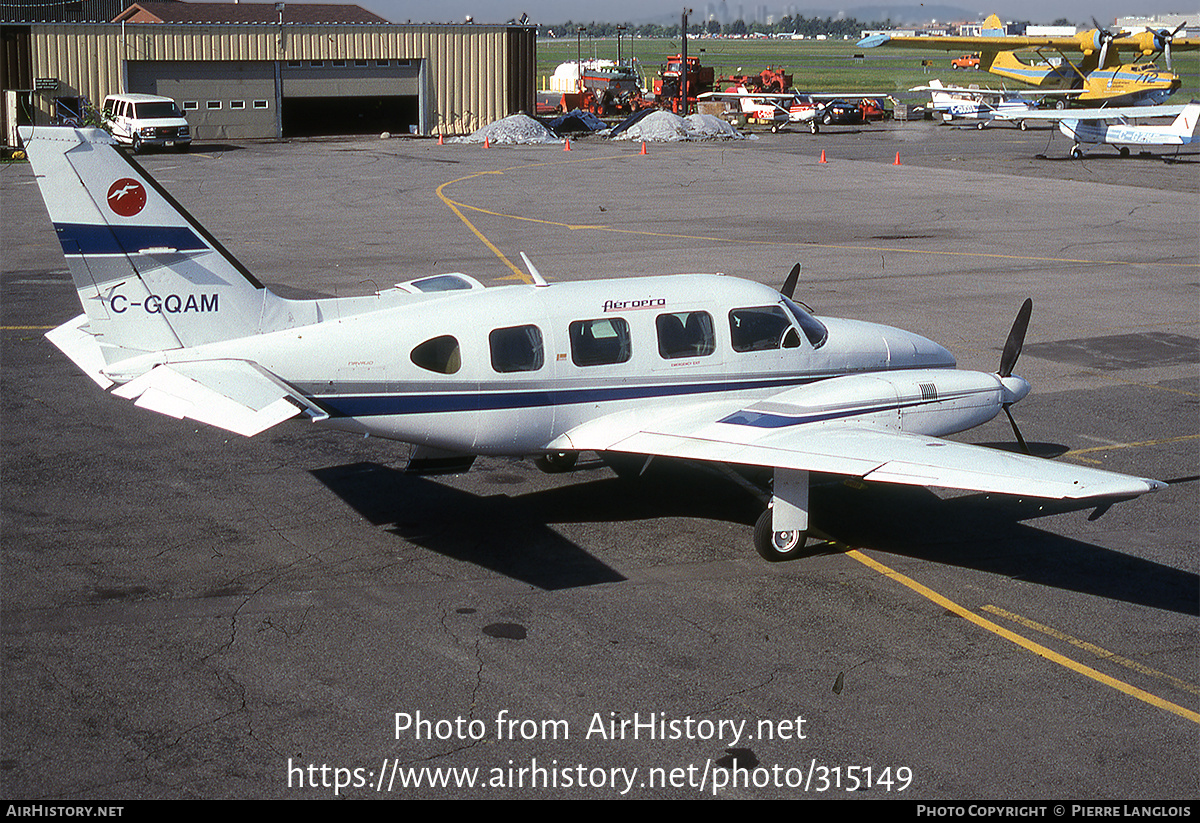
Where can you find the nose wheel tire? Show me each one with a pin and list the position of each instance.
(776, 546)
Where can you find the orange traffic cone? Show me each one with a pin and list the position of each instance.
(441, 141)
(897, 162)
(643, 151)
(487, 144)
(568, 146)
(822, 160)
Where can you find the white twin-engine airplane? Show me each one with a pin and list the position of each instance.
(694, 366)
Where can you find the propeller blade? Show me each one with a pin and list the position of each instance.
(1016, 339)
(789, 285)
(1016, 431)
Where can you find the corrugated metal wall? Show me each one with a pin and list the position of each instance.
(474, 73)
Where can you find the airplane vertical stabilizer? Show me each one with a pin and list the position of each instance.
(1185, 124)
(150, 278)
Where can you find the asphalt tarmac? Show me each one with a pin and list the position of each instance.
(187, 613)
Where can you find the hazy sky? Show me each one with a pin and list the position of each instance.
(640, 11)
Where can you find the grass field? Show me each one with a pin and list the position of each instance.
(816, 65)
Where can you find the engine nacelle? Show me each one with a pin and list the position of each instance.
(934, 402)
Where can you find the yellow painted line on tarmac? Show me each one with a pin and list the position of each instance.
(1023, 642)
(1125, 382)
(483, 238)
(457, 207)
(1116, 446)
(26, 328)
(1091, 648)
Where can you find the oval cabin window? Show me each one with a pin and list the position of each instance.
(439, 354)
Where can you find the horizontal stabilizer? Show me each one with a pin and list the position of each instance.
(74, 340)
(234, 395)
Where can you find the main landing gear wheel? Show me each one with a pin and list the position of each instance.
(556, 462)
(777, 546)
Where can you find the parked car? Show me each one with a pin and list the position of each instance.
(966, 61)
(142, 120)
(840, 113)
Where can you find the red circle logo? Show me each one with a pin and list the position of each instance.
(127, 197)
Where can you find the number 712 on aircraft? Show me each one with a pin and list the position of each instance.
(694, 366)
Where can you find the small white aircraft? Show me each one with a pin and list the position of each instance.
(785, 108)
(693, 366)
(1117, 126)
(983, 106)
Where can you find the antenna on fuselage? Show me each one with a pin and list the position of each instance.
(538, 280)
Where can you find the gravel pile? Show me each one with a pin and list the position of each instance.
(519, 128)
(665, 126)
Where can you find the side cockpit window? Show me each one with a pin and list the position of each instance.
(438, 354)
(600, 342)
(685, 334)
(518, 348)
(761, 329)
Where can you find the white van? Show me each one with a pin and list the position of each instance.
(141, 120)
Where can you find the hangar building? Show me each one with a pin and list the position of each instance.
(270, 70)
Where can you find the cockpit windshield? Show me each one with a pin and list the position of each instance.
(813, 328)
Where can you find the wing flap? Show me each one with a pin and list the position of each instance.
(234, 395)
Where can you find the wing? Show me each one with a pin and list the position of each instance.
(714, 432)
(1113, 113)
(970, 43)
(741, 95)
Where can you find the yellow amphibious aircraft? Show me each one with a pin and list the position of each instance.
(1099, 78)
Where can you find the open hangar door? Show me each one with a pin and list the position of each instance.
(315, 116)
(350, 97)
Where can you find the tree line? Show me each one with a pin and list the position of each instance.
(808, 26)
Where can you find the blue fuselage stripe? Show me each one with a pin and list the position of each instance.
(371, 405)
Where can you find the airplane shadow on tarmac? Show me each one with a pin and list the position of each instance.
(1103, 156)
(512, 534)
